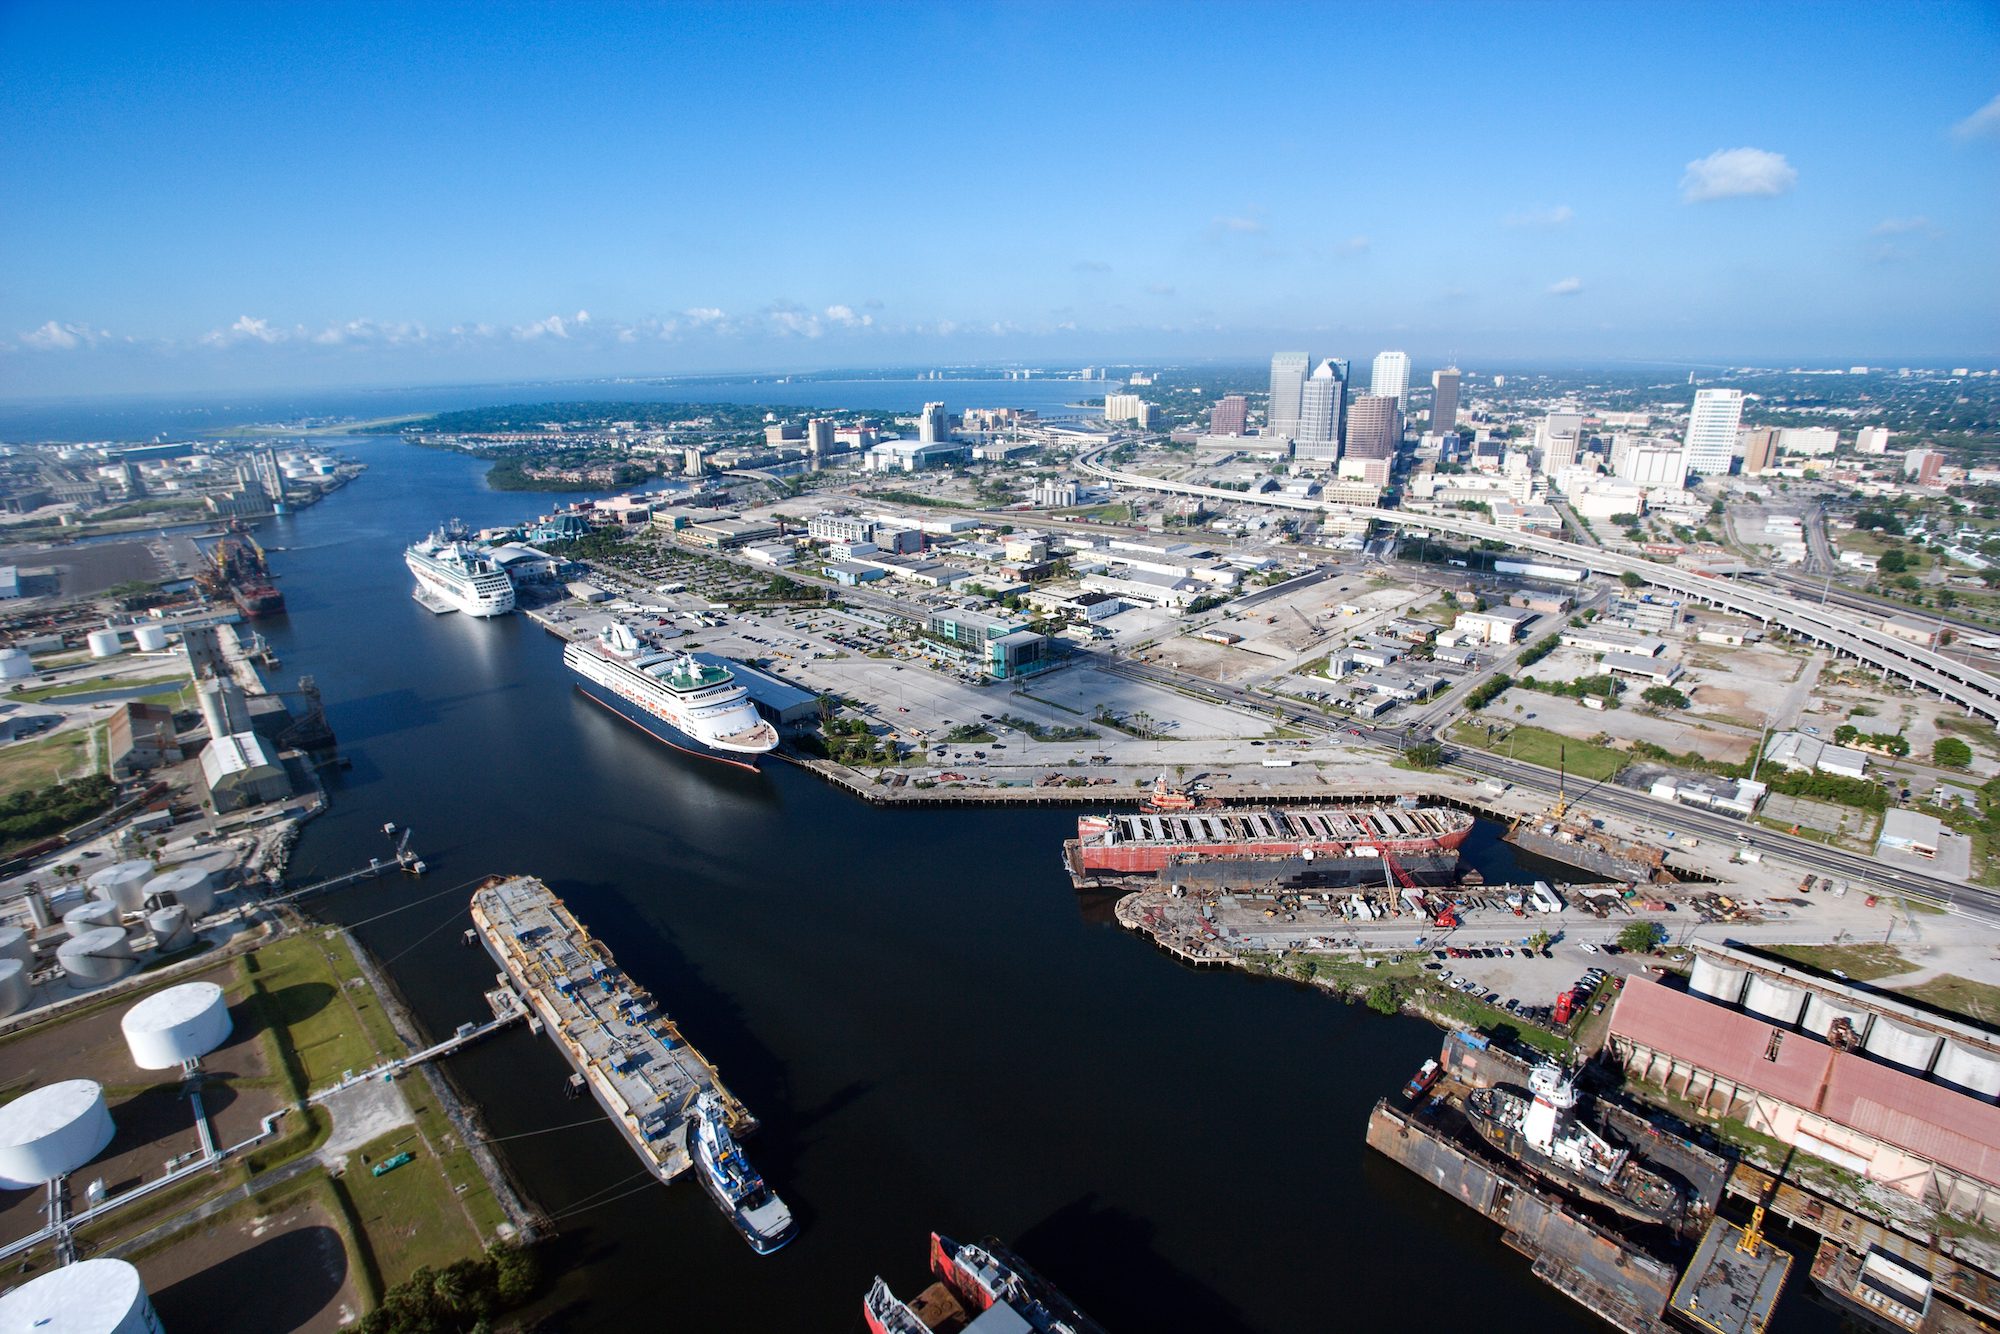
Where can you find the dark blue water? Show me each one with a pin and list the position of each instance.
(933, 1028)
(190, 416)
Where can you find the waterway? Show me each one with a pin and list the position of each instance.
(934, 1030)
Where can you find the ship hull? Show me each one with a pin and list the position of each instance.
(659, 728)
(258, 601)
(1509, 1142)
(454, 593)
(1147, 844)
(758, 1241)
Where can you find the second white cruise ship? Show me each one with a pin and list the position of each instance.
(457, 576)
(700, 702)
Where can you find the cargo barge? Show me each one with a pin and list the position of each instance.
(655, 1086)
(1411, 843)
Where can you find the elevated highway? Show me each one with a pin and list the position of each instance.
(1974, 690)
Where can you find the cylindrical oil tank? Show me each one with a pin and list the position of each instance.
(189, 886)
(103, 955)
(90, 916)
(170, 928)
(13, 987)
(124, 884)
(14, 944)
(1822, 1011)
(150, 638)
(55, 1129)
(100, 1296)
(1974, 1069)
(15, 664)
(39, 911)
(1780, 1002)
(176, 1025)
(105, 644)
(1901, 1045)
(1717, 981)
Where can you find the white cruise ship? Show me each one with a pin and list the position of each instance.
(700, 702)
(457, 576)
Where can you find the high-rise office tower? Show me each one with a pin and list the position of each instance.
(1444, 400)
(1288, 385)
(1559, 437)
(932, 427)
(1392, 378)
(1228, 416)
(1319, 406)
(1760, 450)
(1710, 441)
(1373, 427)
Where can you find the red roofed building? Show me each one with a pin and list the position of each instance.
(1926, 1140)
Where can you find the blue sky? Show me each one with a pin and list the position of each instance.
(296, 195)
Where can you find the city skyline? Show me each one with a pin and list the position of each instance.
(474, 195)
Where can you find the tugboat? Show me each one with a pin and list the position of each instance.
(764, 1220)
(1540, 1131)
(1420, 1083)
(977, 1280)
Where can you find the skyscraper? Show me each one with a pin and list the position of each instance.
(932, 426)
(1760, 450)
(1319, 413)
(1288, 384)
(1560, 439)
(1373, 425)
(1710, 441)
(1392, 378)
(1444, 400)
(1228, 416)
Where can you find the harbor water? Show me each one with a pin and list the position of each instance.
(933, 1029)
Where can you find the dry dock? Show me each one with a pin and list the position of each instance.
(625, 1049)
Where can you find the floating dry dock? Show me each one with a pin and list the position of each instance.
(624, 1047)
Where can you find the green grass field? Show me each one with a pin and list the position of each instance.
(1861, 963)
(1536, 745)
(1978, 1001)
(33, 764)
(92, 687)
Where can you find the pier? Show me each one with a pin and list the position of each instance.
(400, 859)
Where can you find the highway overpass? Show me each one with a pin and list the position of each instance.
(1976, 691)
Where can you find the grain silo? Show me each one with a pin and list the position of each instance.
(1779, 1001)
(1717, 981)
(177, 1025)
(50, 1132)
(1973, 1068)
(1899, 1044)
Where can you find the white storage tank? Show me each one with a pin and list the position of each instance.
(13, 987)
(1974, 1069)
(1822, 1010)
(177, 1025)
(15, 944)
(124, 884)
(1778, 1001)
(189, 886)
(1900, 1045)
(103, 955)
(101, 1296)
(150, 638)
(105, 644)
(55, 1129)
(90, 916)
(14, 665)
(170, 928)
(1716, 981)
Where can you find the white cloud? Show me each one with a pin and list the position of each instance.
(1357, 244)
(1239, 226)
(1160, 289)
(1566, 287)
(705, 315)
(552, 327)
(1981, 124)
(245, 330)
(1901, 227)
(1540, 217)
(1737, 173)
(1091, 266)
(845, 317)
(56, 336)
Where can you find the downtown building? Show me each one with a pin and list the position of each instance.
(1317, 442)
(1288, 385)
(1444, 401)
(1374, 427)
(1710, 441)
(1230, 416)
(1391, 378)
